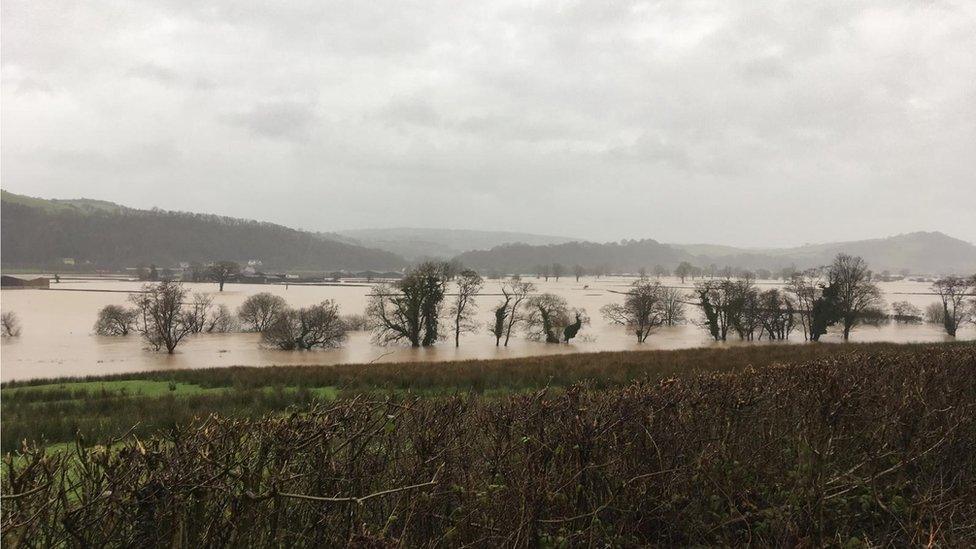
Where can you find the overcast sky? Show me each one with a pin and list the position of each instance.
(749, 123)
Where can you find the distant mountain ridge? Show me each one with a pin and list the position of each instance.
(39, 233)
(919, 252)
(416, 243)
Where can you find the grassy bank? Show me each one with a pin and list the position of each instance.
(100, 408)
(863, 446)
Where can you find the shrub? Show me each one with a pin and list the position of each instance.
(163, 317)
(260, 311)
(355, 323)
(905, 312)
(115, 320)
(877, 448)
(935, 314)
(9, 324)
(307, 328)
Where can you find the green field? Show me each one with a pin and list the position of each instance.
(101, 408)
(820, 445)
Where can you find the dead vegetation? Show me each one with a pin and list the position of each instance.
(866, 448)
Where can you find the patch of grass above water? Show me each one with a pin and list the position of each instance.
(101, 408)
(94, 389)
(98, 411)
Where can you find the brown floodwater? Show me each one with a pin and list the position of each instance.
(57, 337)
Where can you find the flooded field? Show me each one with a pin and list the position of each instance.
(57, 337)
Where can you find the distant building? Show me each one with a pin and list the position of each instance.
(68, 260)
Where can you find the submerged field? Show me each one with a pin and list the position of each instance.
(829, 444)
(57, 338)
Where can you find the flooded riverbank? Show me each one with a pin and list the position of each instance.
(57, 337)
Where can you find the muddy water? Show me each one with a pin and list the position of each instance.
(57, 335)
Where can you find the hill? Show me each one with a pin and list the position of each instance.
(624, 256)
(38, 233)
(415, 243)
(919, 253)
(57, 205)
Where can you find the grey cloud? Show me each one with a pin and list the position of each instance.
(409, 111)
(134, 157)
(614, 115)
(153, 72)
(277, 120)
(764, 67)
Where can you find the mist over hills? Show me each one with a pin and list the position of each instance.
(39, 233)
(918, 252)
(415, 243)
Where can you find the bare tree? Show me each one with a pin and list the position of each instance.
(906, 313)
(222, 271)
(205, 317)
(815, 300)
(355, 323)
(804, 288)
(683, 270)
(307, 328)
(674, 306)
(198, 311)
(747, 313)
(9, 324)
(777, 314)
(723, 303)
(162, 319)
(410, 308)
(115, 320)
(221, 320)
(787, 273)
(548, 315)
(642, 311)
(578, 271)
(954, 291)
(857, 296)
(462, 310)
(259, 311)
(558, 270)
(571, 330)
(934, 314)
(452, 268)
(516, 292)
(497, 327)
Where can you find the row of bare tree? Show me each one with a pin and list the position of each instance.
(410, 309)
(843, 293)
(164, 313)
(413, 310)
